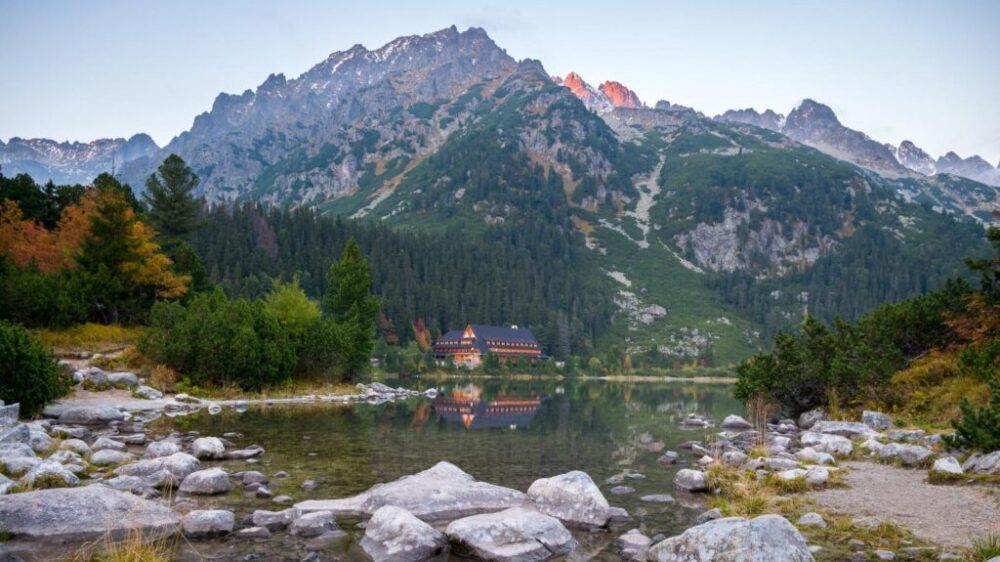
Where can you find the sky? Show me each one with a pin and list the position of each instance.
(914, 69)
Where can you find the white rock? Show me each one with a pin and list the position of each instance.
(312, 524)
(208, 448)
(843, 428)
(49, 474)
(733, 421)
(817, 476)
(812, 519)
(204, 523)
(827, 443)
(691, 480)
(876, 420)
(395, 535)
(513, 535)
(948, 465)
(107, 457)
(908, 455)
(78, 446)
(163, 448)
(178, 464)
(104, 443)
(209, 481)
(573, 498)
(274, 520)
(768, 538)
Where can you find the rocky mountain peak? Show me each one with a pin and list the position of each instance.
(810, 114)
(767, 120)
(915, 158)
(620, 95)
(592, 98)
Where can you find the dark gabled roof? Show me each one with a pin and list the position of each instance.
(453, 335)
(506, 333)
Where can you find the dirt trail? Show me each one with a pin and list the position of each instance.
(946, 515)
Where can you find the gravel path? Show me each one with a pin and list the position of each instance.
(946, 515)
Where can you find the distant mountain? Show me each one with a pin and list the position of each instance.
(607, 96)
(71, 163)
(816, 125)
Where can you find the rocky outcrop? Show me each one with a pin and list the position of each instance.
(396, 535)
(517, 534)
(83, 514)
(441, 492)
(768, 538)
(573, 498)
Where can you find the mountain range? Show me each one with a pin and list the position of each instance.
(709, 233)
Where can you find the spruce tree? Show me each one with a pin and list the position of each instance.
(173, 209)
(351, 305)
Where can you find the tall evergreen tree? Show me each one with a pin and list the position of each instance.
(173, 209)
(352, 306)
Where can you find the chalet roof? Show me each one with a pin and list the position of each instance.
(506, 333)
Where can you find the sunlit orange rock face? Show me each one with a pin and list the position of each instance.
(583, 90)
(619, 95)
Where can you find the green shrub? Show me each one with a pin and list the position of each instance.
(28, 373)
(979, 426)
(216, 341)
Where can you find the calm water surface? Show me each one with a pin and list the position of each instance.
(500, 431)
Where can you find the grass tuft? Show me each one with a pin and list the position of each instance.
(985, 549)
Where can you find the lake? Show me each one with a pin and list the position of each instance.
(506, 432)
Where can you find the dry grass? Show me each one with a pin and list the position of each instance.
(932, 387)
(91, 337)
(135, 547)
(163, 378)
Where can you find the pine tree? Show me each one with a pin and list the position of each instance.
(173, 210)
(351, 305)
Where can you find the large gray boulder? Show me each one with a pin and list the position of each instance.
(691, 480)
(78, 446)
(396, 535)
(443, 491)
(94, 415)
(518, 534)
(108, 457)
(163, 448)
(18, 433)
(105, 443)
(204, 523)
(206, 482)
(147, 393)
(876, 420)
(983, 464)
(48, 474)
(844, 429)
(208, 448)
(947, 466)
(732, 421)
(908, 455)
(83, 514)
(178, 464)
(808, 419)
(274, 520)
(768, 538)
(123, 379)
(827, 443)
(573, 498)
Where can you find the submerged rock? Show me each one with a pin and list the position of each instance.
(768, 538)
(205, 523)
(633, 545)
(518, 534)
(83, 514)
(443, 491)
(396, 535)
(573, 498)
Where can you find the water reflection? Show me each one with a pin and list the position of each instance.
(466, 406)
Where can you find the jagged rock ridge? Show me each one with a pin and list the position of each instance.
(72, 162)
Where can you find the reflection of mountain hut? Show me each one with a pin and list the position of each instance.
(467, 347)
(467, 408)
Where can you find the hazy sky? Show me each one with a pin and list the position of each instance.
(919, 70)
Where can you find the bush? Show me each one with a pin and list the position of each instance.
(215, 341)
(28, 373)
(979, 426)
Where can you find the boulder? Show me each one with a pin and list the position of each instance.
(18, 433)
(812, 519)
(395, 535)
(6, 485)
(163, 448)
(658, 498)
(178, 464)
(667, 458)
(66, 432)
(123, 380)
(573, 498)
(633, 545)
(983, 464)
(691, 480)
(65, 456)
(734, 458)
(83, 514)
(48, 474)
(91, 415)
(39, 441)
(843, 429)
(813, 456)
(103, 443)
(768, 538)
(147, 393)
(274, 520)
(443, 491)
(208, 448)
(907, 435)
(132, 484)
(947, 465)
(244, 454)
(827, 443)
(733, 421)
(16, 466)
(312, 524)
(107, 457)
(876, 420)
(78, 446)
(808, 419)
(908, 455)
(710, 515)
(207, 482)
(205, 523)
(518, 534)
(778, 463)
(817, 476)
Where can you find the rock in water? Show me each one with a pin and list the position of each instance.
(691, 480)
(312, 524)
(106, 457)
(573, 498)
(90, 415)
(633, 545)
(204, 523)
(274, 520)
(768, 538)
(208, 481)
(178, 464)
(733, 421)
(83, 514)
(208, 448)
(163, 448)
(443, 491)
(395, 535)
(518, 534)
